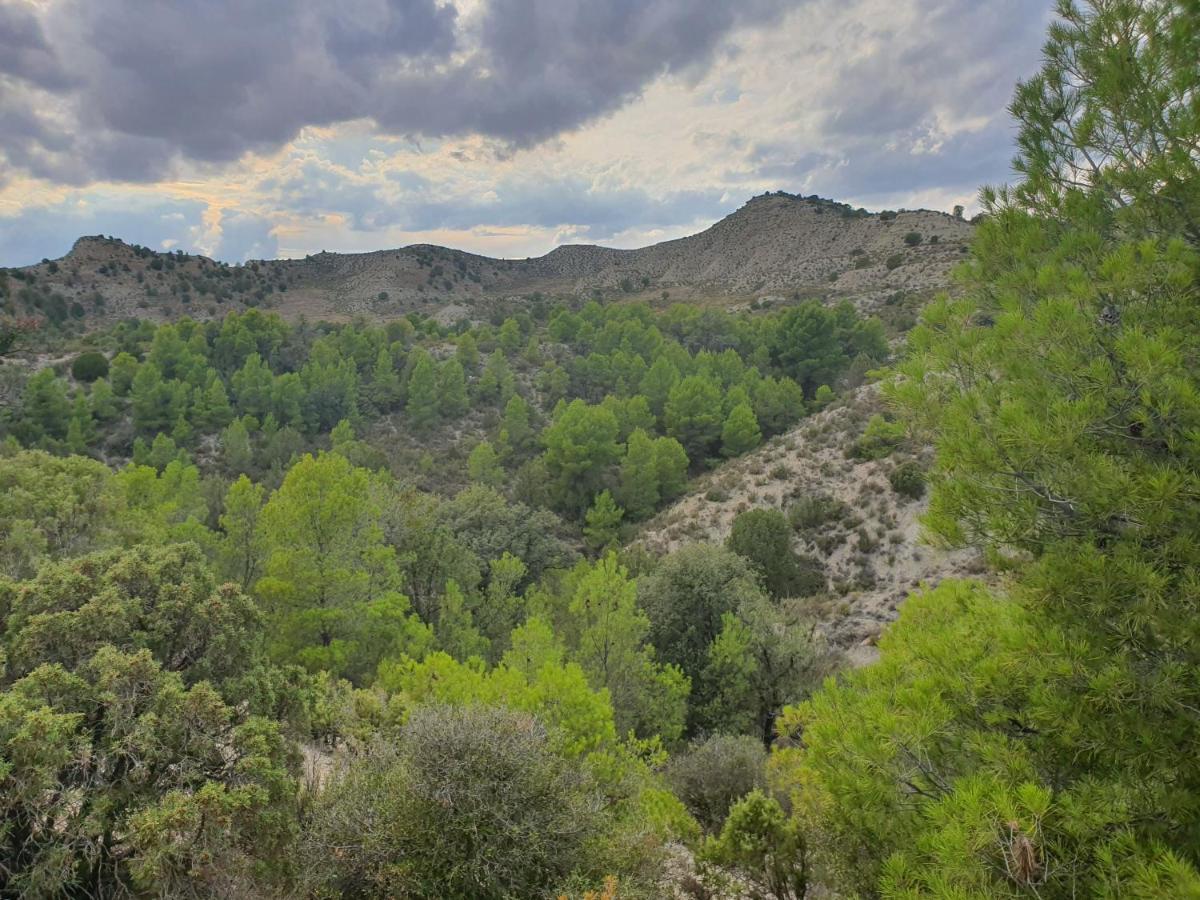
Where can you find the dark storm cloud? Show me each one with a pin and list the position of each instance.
(121, 89)
(24, 52)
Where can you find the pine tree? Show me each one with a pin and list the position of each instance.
(693, 415)
(509, 337)
(104, 402)
(287, 399)
(671, 464)
(453, 385)
(467, 353)
(384, 389)
(639, 482)
(342, 435)
(456, 631)
(778, 402)
(163, 451)
(608, 631)
(212, 410)
(1059, 389)
(121, 372)
(602, 522)
(182, 432)
(252, 385)
(422, 407)
(483, 465)
(81, 430)
(496, 384)
(516, 433)
(45, 408)
(660, 378)
(581, 444)
(241, 552)
(330, 577)
(236, 452)
(806, 345)
(150, 400)
(740, 433)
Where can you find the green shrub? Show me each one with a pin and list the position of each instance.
(908, 480)
(814, 510)
(764, 537)
(714, 773)
(912, 238)
(894, 261)
(763, 847)
(469, 802)
(90, 366)
(879, 439)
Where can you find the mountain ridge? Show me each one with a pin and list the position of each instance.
(775, 246)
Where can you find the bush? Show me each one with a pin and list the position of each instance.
(713, 774)
(879, 439)
(912, 238)
(894, 261)
(908, 480)
(470, 802)
(90, 366)
(763, 847)
(814, 510)
(764, 537)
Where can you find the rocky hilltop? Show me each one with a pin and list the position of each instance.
(776, 246)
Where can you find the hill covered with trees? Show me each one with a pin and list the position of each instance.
(414, 609)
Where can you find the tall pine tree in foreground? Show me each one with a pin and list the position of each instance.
(1043, 742)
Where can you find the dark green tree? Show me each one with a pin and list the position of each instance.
(639, 489)
(693, 415)
(452, 386)
(764, 537)
(806, 346)
(740, 433)
(423, 407)
(581, 444)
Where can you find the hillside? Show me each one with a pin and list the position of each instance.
(866, 535)
(775, 246)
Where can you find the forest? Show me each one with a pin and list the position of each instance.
(308, 609)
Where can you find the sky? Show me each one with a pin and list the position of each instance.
(249, 129)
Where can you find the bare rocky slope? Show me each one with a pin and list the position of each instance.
(776, 247)
(867, 536)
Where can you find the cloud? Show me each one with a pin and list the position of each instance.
(904, 97)
(596, 213)
(24, 52)
(122, 90)
(501, 126)
(405, 200)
